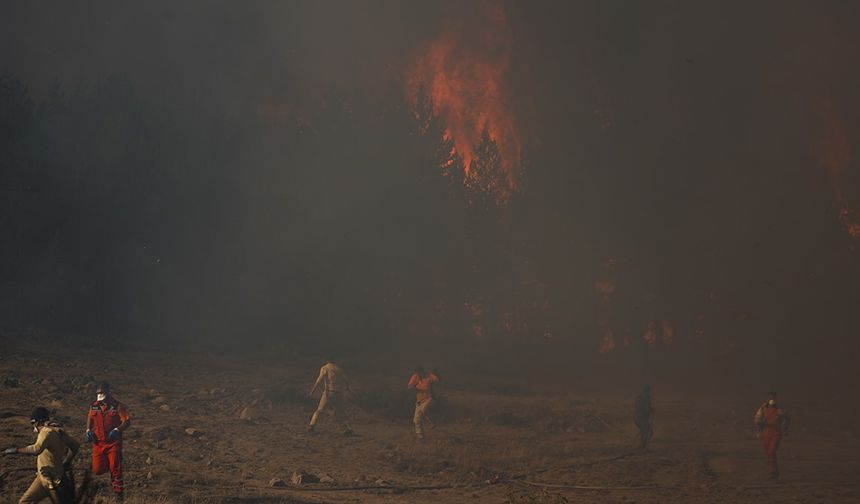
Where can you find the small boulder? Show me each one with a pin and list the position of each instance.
(301, 477)
(277, 483)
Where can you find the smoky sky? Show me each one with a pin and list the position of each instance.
(676, 139)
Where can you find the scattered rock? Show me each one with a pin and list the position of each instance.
(248, 414)
(159, 400)
(191, 431)
(164, 407)
(149, 460)
(160, 433)
(382, 482)
(150, 476)
(55, 404)
(326, 478)
(301, 477)
(277, 483)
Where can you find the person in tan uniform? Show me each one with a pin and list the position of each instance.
(54, 451)
(422, 382)
(335, 390)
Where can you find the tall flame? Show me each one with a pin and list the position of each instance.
(465, 71)
(834, 154)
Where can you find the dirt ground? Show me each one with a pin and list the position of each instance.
(490, 440)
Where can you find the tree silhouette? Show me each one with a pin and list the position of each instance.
(486, 177)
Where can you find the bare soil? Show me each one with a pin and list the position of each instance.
(493, 440)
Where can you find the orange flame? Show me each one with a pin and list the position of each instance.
(834, 154)
(465, 73)
(668, 332)
(608, 343)
(650, 335)
(605, 288)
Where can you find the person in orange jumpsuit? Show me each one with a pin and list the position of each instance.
(422, 382)
(106, 421)
(772, 424)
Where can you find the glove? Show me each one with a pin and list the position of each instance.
(10, 451)
(113, 435)
(89, 437)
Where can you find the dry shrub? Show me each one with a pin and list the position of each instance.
(542, 496)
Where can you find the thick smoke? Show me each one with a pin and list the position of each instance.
(252, 173)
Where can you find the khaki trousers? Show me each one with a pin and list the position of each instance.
(39, 492)
(421, 408)
(335, 402)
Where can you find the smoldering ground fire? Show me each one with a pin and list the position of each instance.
(527, 252)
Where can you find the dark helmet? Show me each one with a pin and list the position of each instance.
(39, 415)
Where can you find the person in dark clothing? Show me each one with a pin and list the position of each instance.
(643, 417)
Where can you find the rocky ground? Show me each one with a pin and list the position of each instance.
(212, 429)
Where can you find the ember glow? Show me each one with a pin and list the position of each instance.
(465, 71)
(650, 335)
(608, 342)
(834, 155)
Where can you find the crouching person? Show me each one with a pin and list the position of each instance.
(54, 451)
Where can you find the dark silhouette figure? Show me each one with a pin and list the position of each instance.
(643, 417)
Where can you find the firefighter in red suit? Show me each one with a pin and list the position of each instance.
(106, 421)
(772, 424)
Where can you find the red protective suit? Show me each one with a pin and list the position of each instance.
(771, 434)
(104, 416)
